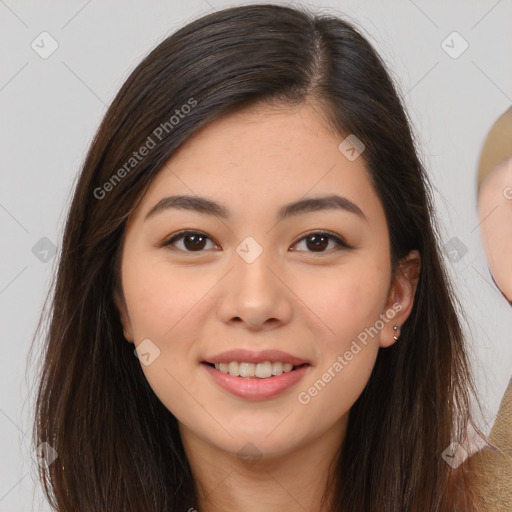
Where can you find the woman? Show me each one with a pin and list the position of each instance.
(253, 223)
(494, 184)
(492, 467)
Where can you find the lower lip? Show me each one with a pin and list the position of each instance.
(254, 387)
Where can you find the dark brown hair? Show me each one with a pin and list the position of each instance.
(118, 447)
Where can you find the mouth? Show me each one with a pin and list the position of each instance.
(264, 370)
(256, 381)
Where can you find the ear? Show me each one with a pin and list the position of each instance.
(401, 297)
(124, 317)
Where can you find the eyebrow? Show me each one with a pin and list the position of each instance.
(209, 207)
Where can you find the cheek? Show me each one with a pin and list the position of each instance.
(159, 300)
(336, 386)
(351, 309)
(347, 299)
(167, 307)
(349, 303)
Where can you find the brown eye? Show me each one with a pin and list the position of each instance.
(195, 241)
(192, 241)
(319, 241)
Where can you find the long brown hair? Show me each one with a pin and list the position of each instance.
(118, 447)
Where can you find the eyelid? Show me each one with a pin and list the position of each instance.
(167, 243)
(338, 240)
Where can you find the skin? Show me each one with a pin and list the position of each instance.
(495, 215)
(311, 304)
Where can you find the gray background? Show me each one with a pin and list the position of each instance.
(50, 109)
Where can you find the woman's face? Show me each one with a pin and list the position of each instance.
(251, 277)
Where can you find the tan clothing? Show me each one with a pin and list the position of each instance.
(491, 469)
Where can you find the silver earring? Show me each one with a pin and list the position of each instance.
(395, 328)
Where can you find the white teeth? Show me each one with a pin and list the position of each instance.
(233, 368)
(261, 370)
(246, 369)
(277, 368)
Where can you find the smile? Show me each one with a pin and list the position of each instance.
(253, 382)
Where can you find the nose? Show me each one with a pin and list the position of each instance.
(254, 295)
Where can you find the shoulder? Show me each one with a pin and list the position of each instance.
(491, 467)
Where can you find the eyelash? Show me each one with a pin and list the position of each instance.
(340, 243)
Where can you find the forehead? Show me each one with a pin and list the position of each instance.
(265, 156)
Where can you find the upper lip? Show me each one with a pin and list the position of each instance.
(250, 356)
